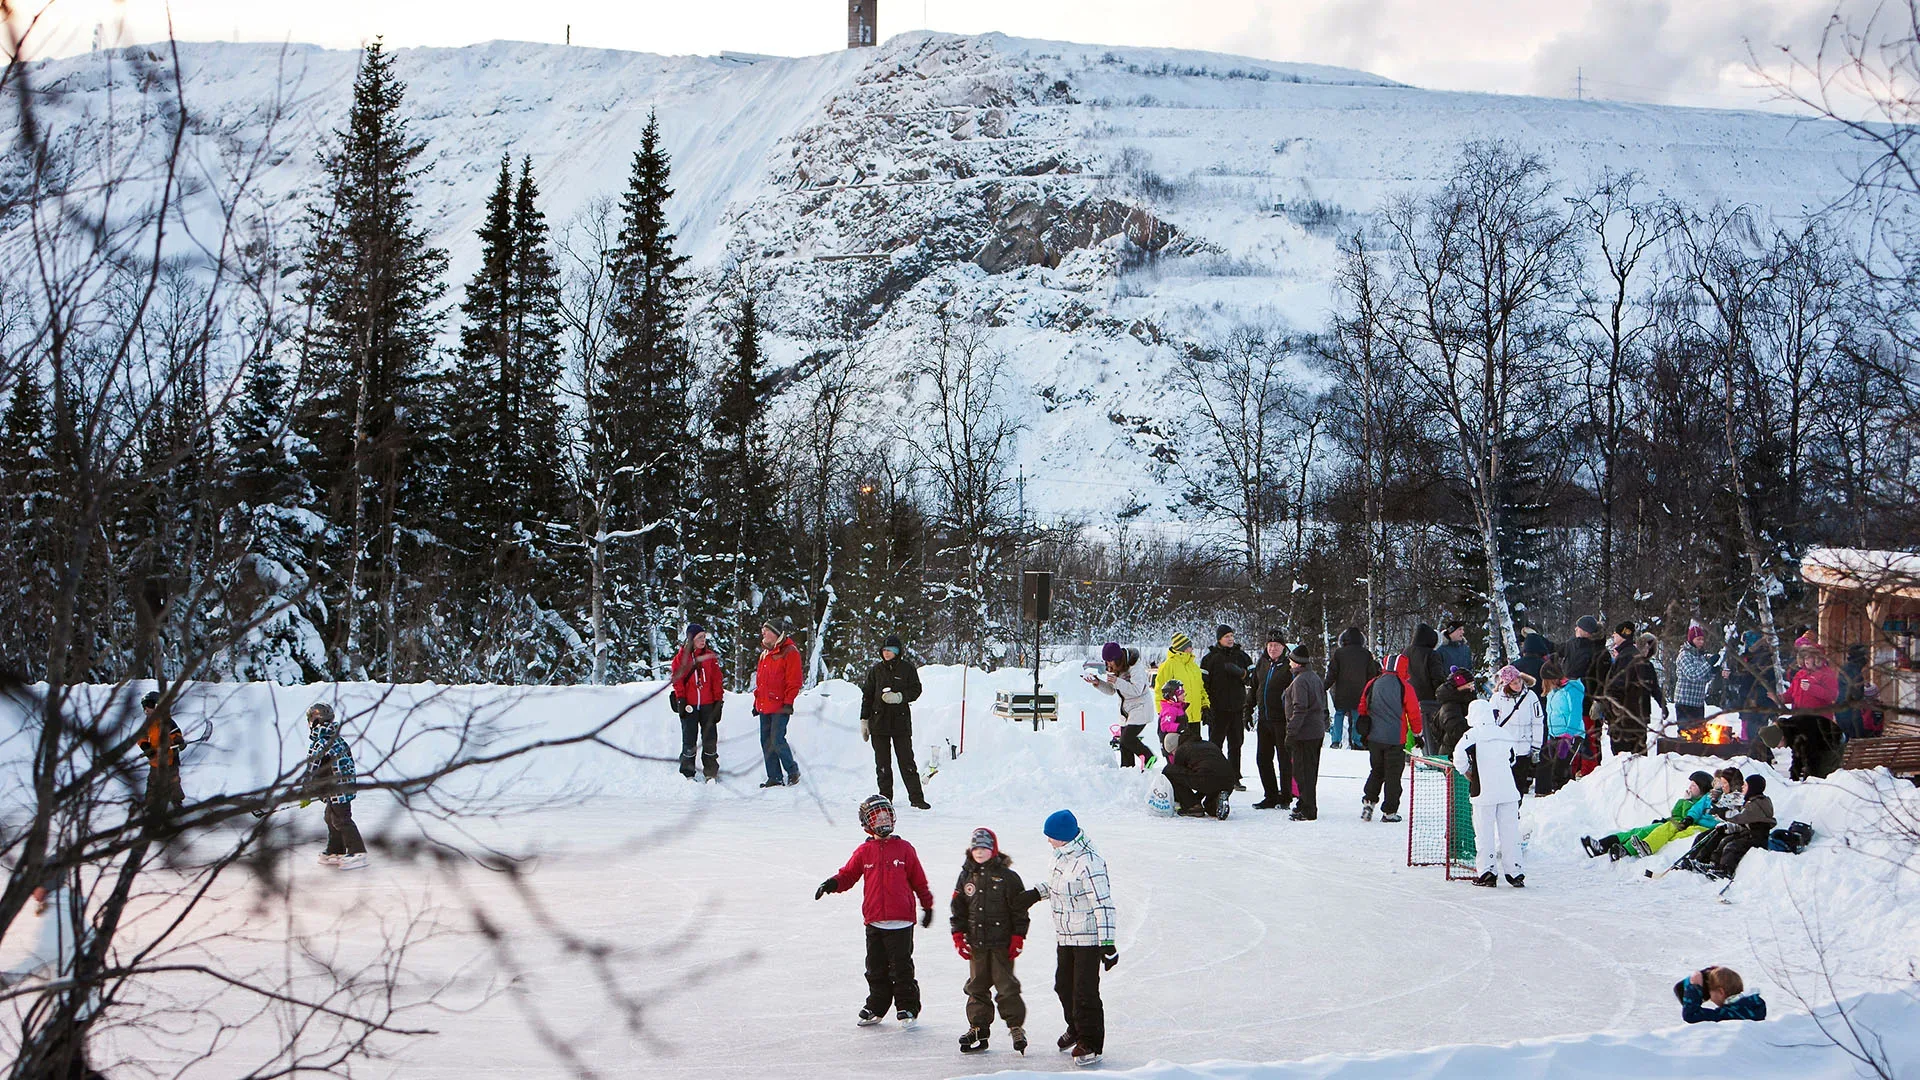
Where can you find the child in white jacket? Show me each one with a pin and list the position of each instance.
(1083, 922)
(1486, 753)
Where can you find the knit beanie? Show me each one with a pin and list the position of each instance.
(1180, 642)
(1062, 826)
(1756, 785)
(1221, 631)
(1806, 641)
(694, 630)
(1696, 635)
(1112, 653)
(1512, 674)
(1276, 636)
(1702, 778)
(1588, 623)
(892, 642)
(1298, 655)
(983, 838)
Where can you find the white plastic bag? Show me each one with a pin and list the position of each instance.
(1160, 795)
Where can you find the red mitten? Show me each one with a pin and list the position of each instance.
(1014, 947)
(960, 945)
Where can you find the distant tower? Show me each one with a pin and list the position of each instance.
(862, 23)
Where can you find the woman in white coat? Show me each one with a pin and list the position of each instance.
(1127, 680)
(1486, 753)
(1517, 709)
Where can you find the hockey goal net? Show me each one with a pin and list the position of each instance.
(1439, 818)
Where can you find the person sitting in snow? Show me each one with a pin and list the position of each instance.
(1729, 793)
(1692, 813)
(989, 929)
(1201, 776)
(1719, 852)
(891, 870)
(1717, 993)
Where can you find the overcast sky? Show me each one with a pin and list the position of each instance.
(1684, 52)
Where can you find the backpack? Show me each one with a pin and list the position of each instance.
(1793, 839)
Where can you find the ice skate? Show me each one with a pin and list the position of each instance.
(1067, 1042)
(868, 1018)
(974, 1041)
(328, 858)
(1366, 810)
(350, 862)
(905, 1017)
(1390, 818)
(1019, 1040)
(1084, 1058)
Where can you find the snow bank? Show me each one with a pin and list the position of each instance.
(1786, 1048)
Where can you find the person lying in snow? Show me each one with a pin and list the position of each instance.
(989, 926)
(1717, 853)
(1717, 993)
(1692, 813)
(891, 870)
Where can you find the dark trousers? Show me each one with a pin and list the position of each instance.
(1076, 980)
(990, 972)
(1306, 774)
(1627, 733)
(1735, 847)
(1228, 733)
(1269, 747)
(343, 836)
(1690, 717)
(1556, 764)
(890, 971)
(888, 745)
(1432, 738)
(163, 787)
(701, 723)
(1131, 746)
(1385, 765)
(1191, 789)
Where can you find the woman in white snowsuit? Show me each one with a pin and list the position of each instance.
(1486, 753)
(1517, 709)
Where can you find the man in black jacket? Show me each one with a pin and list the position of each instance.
(886, 717)
(1271, 677)
(1201, 778)
(1426, 671)
(1224, 673)
(1633, 686)
(1348, 673)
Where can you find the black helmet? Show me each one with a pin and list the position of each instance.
(320, 713)
(1171, 687)
(150, 700)
(876, 815)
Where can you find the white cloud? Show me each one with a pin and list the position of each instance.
(1679, 51)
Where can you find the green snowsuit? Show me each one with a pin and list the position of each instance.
(1687, 817)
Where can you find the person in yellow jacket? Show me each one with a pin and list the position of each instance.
(1180, 665)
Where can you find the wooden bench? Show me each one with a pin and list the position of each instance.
(1898, 750)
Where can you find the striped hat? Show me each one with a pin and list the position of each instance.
(1180, 643)
(983, 838)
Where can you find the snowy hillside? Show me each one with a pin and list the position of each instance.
(1031, 180)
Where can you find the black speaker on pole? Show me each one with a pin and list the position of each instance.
(1036, 595)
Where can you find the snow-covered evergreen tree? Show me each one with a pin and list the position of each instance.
(374, 283)
(28, 496)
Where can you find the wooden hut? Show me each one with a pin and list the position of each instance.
(1872, 598)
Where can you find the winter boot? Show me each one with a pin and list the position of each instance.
(1488, 880)
(974, 1041)
(1366, 810)
(772, 783)
(868, 1018)
(1019, 1040)
(1269, 804)
(1518, 881)
(905, 1017)
(919, 804)
(1390, 818)
(794, 780)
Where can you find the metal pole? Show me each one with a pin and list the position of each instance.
(1037, 624)
(963, 708)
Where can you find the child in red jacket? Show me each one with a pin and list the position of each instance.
(894, 878)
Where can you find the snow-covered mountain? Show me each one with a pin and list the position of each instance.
(1020, 178)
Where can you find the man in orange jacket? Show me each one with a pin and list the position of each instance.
(776, 683)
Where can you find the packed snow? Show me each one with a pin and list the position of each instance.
(1252, 940)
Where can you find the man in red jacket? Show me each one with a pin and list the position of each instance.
(776, 683)
(697, 694)
(891, 869)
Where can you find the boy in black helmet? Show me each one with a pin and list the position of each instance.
(891, 870)
(161, 741)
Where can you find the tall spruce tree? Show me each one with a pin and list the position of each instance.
(505, 489)
(29, 493)
(641, 401)
(741, 538)
(374, 283)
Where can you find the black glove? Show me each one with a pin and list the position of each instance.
(926, 917)
(827, 886)
(1109, 956)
